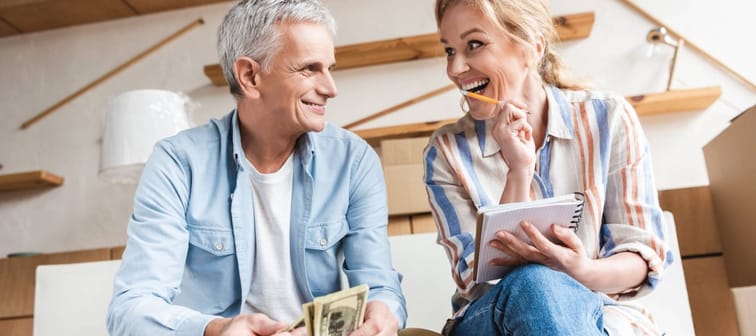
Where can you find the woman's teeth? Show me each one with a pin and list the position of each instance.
(476, 86)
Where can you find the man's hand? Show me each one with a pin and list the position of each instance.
(249, 325)
(378, 321)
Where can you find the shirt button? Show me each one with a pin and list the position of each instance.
(323, 242)
(218, 246)
(231, 196)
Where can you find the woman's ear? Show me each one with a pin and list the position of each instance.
(539, 46)
(536, 54)
(247, 73)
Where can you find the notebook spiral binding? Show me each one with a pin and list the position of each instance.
(575, 222)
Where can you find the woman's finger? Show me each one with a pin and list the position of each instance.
(568, 237)
(520, 248)
(539, 241)
(503, 248)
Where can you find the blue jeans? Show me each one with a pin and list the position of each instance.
(534, 300)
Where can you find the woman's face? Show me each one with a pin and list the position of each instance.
(482, 58)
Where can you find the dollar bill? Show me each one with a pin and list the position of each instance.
(336, 314)
(340, 313)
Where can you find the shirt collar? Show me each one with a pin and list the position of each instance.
(304, 147)
(559, 122)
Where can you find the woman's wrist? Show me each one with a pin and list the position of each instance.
(521, 175)
(517, 188)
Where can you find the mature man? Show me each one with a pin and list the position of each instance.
(239, 222)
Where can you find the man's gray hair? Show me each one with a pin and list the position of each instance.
(249, 29)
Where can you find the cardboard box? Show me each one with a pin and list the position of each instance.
(731, 164)
(745, 308)
(694, 213)
(711, 302)
(399, 225)
(405, 189)
(423, 223)
(403, 151)
(403, 169)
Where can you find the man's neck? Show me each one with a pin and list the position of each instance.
(264, 145)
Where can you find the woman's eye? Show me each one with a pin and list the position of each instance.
(472, 45)
(449, 51)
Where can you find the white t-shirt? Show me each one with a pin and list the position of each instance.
(273, 291)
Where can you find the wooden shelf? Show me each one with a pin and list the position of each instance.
(29, 180)
(647, 104)
(25, 16)
(569, 27)
(375, 135)
(675, 100)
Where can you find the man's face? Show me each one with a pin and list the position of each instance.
(299, 83)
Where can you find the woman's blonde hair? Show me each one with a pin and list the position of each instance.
(523, 20)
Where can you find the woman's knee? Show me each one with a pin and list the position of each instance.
(539, 281)
(534, 275)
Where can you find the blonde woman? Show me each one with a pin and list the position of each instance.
(547, 136)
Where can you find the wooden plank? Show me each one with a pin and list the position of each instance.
(402, 105)
(17, 278)
(569, 27)
(29, 180)
(117, 252)
(17, 327)
(37, 16)
(6, 29)
(375, 135)
(215, 73)
(389, 51)
(151, 6)
(18, 3)
(694, 214)
(574, 26)
(678, 100)
(711, 301)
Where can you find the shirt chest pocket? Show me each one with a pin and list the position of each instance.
(213, 242)
(210, 260)
(325, 235)
(322, 246)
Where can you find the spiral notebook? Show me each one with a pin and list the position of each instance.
(564, 210)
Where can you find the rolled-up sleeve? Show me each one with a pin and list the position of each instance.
(633, 220)
(367, 253)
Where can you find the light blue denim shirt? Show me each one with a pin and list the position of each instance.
(191, 236)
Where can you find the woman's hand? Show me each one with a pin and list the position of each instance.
(611, 275)
(570, 258)
(515, 137)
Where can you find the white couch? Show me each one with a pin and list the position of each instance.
(427, 285)
(72, 299)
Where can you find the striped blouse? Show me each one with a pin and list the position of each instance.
(594, 145)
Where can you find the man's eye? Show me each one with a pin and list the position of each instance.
(449, 51)
(472, 45)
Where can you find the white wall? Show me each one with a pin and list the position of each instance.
(41, 68)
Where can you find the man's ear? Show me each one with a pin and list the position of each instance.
(247, 72)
